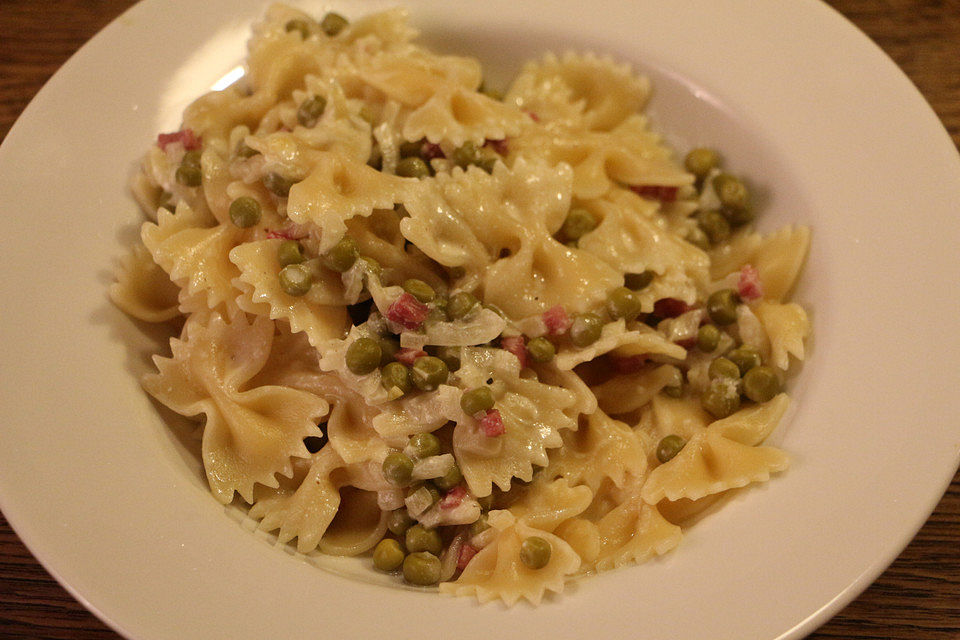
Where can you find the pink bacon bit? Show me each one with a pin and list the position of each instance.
(556, 320)
(669, 307)
(533, 116)
(408, 356)
(492, 424)
(429, 151)
(516, 346)
(408, 312)
(466, 555)
(656, 192)
(749, 286)
(286, 234)
(629, 364)
(186, 137)
(453, 498)
(500, 146)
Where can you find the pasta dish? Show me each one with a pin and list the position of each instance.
(494, 341)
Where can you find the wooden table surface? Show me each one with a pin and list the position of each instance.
(917, 598)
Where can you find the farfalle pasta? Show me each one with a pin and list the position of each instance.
(496, 341)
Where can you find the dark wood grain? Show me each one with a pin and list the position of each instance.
(917, 598)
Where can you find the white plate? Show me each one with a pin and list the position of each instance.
(110, 501)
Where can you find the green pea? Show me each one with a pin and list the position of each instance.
(638, 281)
(429, 373)
(277, 184)
(585, 329)
(419, 290)
(466, 154)
(476, 400)
(388, 349)
(310, 110)
(395, 375)
(363, 356)
(460, 305)
(245, 212)
(333, 23)
(722, 306)
(715, 225)
(397, 469)
(731, 191)
(290, 252)
(701, 161)
(189, 173)
(579, 222)
(298, 25)
(541, 350)
(479, 526)
(419, 538)
(388, 555)
(535, 552)
(698, 238)
(745, 357)
(424, 445)
(721, 367)
(708, 338)
(761, 384)
(674, 388)
(342, 255)
(623, 303)
(421, 568)
(296, 279)
(413, 167)
(450, 479)
(399, 521)
(721, 398)
(669, 447)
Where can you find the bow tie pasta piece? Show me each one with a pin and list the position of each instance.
(321, 313)
(778, 257)
(786, 326)
(143, 289)
(250, 435)
(614, 337)
(349, 426)
(545, 504)
(711, 463)
(413, 79)
(579, 90)
(532, 412)
(634, 237)
(497, 572)
(306, 512)
(632, 391)
(460, 114)
(602, 449)
(752, 425)
(634, 532)
(194, 257)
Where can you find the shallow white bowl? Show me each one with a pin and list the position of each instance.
(112, 501)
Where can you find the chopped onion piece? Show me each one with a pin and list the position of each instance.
(433, 467)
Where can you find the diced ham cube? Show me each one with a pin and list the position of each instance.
(466, 555)
(516, 346)
(408, 312)
(186, 137)
(556, 320)
(408, 356)
(429, 151)
(749, 286)
(656, 192)
(669, 307)
(533, 116)
(492, 424)
(453, 498)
